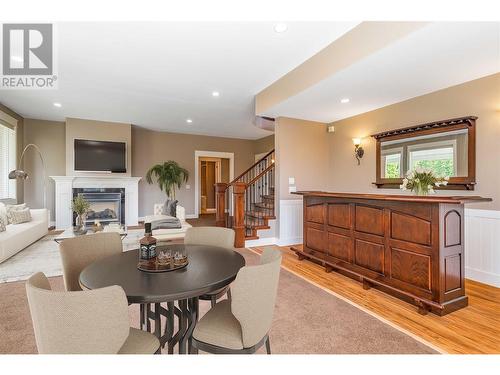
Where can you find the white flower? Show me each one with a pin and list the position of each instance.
(446, 178)
(445, 182)
(417, 180)
(437, 183)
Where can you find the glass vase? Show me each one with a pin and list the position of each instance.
(421, 190)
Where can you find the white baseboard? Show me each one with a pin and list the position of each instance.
(261, 242)
(290, 241)
(482, 276)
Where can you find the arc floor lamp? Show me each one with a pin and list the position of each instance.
(19, 174)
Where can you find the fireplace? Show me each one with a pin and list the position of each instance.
(107, 205)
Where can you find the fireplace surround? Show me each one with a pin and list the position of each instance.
(127, 187)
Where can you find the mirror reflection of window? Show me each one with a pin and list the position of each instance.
(444, 153)
(439, 158)
(391, 160)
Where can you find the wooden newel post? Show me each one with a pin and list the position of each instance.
(239, 214)
(220, 204)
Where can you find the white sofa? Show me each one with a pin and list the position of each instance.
(168, 234)
(16, 237)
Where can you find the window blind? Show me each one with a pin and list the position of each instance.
(7, 161)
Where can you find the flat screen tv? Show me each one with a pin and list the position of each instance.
(100, 156)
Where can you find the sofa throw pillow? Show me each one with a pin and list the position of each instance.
(21, 216)
(3, 213)
(13, 207)
(170, 207)
(2, 225)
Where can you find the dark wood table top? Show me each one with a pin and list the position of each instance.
(210, 268)
(401, 198)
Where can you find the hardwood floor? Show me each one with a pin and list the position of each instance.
(474, 329)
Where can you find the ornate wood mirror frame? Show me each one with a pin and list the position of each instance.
(455, 183)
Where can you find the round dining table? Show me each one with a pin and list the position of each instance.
(209, 269)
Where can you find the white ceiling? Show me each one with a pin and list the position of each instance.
(156, 75)
(437, 56)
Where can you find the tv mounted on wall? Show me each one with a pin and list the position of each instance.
(100, 156)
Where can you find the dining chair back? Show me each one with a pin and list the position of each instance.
(210, 236)
(84, 322)
(254, 295)
(78, 252)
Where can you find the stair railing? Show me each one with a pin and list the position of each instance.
(236, 201)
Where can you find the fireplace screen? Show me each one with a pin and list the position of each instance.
(106, 205)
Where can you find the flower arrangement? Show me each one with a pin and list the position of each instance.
(422, 181)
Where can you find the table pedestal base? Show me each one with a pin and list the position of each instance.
(186, 313)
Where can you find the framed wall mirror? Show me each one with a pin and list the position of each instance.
(447, 147)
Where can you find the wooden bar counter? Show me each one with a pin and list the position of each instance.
(409, 246)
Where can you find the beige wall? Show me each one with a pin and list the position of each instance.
(151, 147)
(301, 152)
(49, 136)
(99, 131)
(476, 98)
(265, 144)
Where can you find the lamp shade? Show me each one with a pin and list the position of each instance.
(18, 174)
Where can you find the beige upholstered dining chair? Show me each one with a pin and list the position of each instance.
(84, 322)
(77, 253)
(211, 236)
(242, 325)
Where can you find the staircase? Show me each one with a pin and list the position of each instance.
(246, 204)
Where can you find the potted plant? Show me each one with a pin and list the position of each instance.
(80, 207)
(169, 176)
(422, 181)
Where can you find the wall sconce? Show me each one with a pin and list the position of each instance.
(358, 150)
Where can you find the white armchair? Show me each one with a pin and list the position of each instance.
(168, 234)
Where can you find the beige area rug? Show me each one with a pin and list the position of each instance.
(43, 256)
(307, 319)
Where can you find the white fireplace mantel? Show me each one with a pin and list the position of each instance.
(64, 195)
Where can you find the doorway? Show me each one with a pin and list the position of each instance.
(212, 171)
(223, 171)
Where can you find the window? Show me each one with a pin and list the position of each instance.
(391, 160)
(7, 162)
(440, 157)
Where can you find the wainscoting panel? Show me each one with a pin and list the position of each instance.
(290, 222)
(482, 246)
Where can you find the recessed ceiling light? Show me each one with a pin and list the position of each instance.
(215, 93)
(280, 27)
(189, 121)
(58, 105)
(345, 100)
(17, 58)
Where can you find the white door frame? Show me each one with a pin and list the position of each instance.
(208, 154)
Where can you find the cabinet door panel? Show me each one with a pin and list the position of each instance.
(369, 255)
